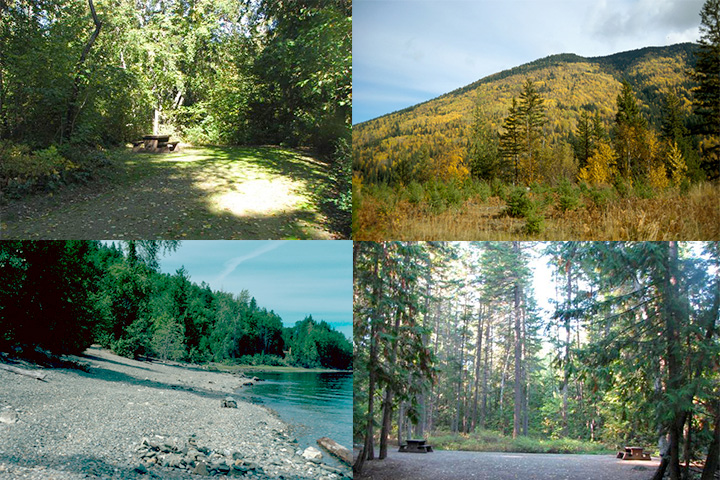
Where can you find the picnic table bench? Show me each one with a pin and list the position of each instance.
(155, 144)
(633, 453)
(415, 446)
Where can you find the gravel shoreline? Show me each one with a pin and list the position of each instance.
(90, 425)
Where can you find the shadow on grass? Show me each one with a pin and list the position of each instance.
(204, 193)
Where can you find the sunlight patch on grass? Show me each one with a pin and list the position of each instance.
(259, 196)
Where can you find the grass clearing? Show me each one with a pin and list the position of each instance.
(489, 441)
(203, 193)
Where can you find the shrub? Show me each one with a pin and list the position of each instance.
(569, 198)
(601, 196)
(499, 189)
(519, 204)
(534, 224)
(415, 192)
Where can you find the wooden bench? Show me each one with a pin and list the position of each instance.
(633, 453)
(415, 446)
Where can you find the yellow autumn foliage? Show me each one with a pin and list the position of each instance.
(601, 166)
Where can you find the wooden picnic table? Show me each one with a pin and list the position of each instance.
(634, 453)
(155, 144)
(152, 142)
(415, 446)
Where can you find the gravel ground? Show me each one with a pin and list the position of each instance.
(451, 465)
(90, 425)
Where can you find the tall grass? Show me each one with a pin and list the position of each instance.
(488, 441)
(579, 213)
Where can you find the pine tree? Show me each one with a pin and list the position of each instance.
(483, 148)
(583, 139)
(706, 102)
(673, 122)
(676, 163)
(511, 138)
(532, 113)
(630, 127)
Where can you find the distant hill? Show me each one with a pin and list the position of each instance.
(439, 128)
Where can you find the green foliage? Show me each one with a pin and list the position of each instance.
(568, 196)
(519, 204)
(46, 297)
(534, 223)
(489, 441)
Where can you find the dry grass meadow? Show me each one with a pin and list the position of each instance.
(669, 215)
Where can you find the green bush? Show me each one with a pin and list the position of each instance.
(534, 224)
(569, 197)
(600, 196)
(519, 204)
(415, 192)
(499, 189)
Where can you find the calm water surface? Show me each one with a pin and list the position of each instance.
(314, 404)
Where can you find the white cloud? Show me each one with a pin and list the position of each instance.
(233, 263)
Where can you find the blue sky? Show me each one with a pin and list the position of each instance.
(409, 51)
(293, 278)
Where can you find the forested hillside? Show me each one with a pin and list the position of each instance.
(63, 296)
(451, 345)
(438, 134)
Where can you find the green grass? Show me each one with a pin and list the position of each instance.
(488, 441)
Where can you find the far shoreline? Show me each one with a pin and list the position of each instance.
(268, 369)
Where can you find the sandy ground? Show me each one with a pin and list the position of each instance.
(452, 465)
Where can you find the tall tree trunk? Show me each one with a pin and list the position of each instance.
(686, 451)
(518, 387)
(713, 456)
(486, 366)
(389, 392)
(459, 413)
(566, 374)
(369, 448)
(673, 346)
(478, 355)
(73, 108)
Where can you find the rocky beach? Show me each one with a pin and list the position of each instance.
(127, 419)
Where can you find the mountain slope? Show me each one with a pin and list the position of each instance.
(437, 130)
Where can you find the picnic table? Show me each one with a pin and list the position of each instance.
(634, 453)
(415, 446)
(155, 144)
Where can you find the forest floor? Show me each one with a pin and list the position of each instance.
(453, 465)
(202, 193)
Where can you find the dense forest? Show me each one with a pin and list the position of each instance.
(80, 77)
(61, 296)
(450, 343)
(580, 133)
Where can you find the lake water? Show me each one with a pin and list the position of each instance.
(314, 404)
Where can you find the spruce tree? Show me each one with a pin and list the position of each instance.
(583, 139)
(706, 102)
(532, 112)
(629, 130)
(511, 138)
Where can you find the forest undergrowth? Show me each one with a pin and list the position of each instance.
(478, 210)
(489, 441)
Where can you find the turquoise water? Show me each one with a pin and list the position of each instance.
(314, 404)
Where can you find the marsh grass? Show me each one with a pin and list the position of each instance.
(599, 214)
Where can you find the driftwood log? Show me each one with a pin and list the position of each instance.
(336, 450)
(20, 371)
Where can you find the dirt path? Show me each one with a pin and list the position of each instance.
(451, 465)
(207, 193)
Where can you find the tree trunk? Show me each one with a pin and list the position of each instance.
(713, 456)
(673, 346)
(488, 350)
(389, 392)
(73, 109)
(518, 387)
(369, 449)
(686, 451)
(566, 375)
(478, 355)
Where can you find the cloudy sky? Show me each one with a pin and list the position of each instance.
(409, 51)
(293, 278)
